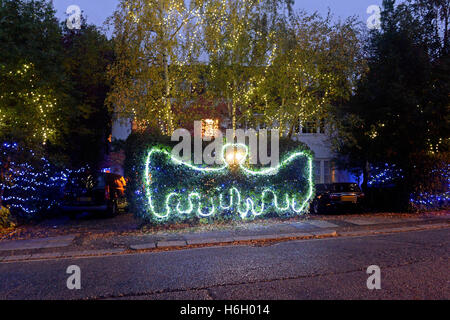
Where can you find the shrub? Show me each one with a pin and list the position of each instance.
(6, 219)
(29, 184)
(290, 180)
(431, 183)
(422, 186)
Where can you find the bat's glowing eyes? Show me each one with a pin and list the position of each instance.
(235, 157)
(230, 158)
(239, 156)
(235, 154)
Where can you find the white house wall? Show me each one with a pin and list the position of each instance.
(121, 129)
(320, 144)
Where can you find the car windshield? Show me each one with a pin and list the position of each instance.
(345, 187)
(88, 181)
(100, 181)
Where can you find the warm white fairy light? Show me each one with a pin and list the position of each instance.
(37, 98)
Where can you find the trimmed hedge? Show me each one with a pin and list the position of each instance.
(30, 186)
(179, 178)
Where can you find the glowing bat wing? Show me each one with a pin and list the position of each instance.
(257, 186)
(272, 174)
(161, 165)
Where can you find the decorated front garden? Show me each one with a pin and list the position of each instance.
(163, 189)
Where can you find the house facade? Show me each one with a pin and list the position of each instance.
(318, 140)
(314, 136)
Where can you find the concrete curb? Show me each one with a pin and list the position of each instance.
(324, 233)
(193, 242)
(16, 258)
(433, 226)
(199, 242)
(171, 244)
(393, 230)
(145, 246)
(237, 239)
(87, 253)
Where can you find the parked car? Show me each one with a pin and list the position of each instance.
(100, 192)
(337, 195)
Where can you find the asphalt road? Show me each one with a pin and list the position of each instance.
(414, 265)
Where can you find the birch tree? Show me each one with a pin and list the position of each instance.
(237, 42)
(157, 47)
(313, 67)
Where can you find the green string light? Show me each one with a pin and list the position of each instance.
(246, 208)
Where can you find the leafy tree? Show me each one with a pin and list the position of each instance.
(87, 55)
(399, 113)
(240, 44)
(168, 55)
(53, 83)
(236, 47)
(31, 73)
(314, 65)
(157, 49)
(435, 16)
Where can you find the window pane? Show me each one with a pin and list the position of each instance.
(309, 127)
(317, 171)
(327, 171)
(209, 127)
(322, 126)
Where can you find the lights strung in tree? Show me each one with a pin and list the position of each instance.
(385, 175)
(38, 101)
(165, 35)
(224, 194)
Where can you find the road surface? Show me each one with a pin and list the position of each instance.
(414, 265)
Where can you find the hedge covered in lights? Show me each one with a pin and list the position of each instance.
(30, 185)
(164, 189)
(439, 196)
(429, 190)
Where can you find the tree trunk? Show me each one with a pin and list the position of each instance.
(234, 108)
(3, 169)
(168, 106)
(366, 171)
(229, 108)
(167, 103)
(446, 40)
(1, 187)
(234, 117)
(293, 126)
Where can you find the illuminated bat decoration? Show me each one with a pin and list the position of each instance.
(178, 190)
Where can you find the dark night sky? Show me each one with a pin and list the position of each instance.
(98, 10)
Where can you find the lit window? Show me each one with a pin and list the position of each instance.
(309, 127)
(209, 127)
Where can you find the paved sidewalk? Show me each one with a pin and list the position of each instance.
(91, 244)
(42, 243)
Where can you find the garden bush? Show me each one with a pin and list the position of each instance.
(29, 184)
(167, 177)
(6, 219)
(424, 188)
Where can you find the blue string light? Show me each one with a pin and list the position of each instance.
(32, 184)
